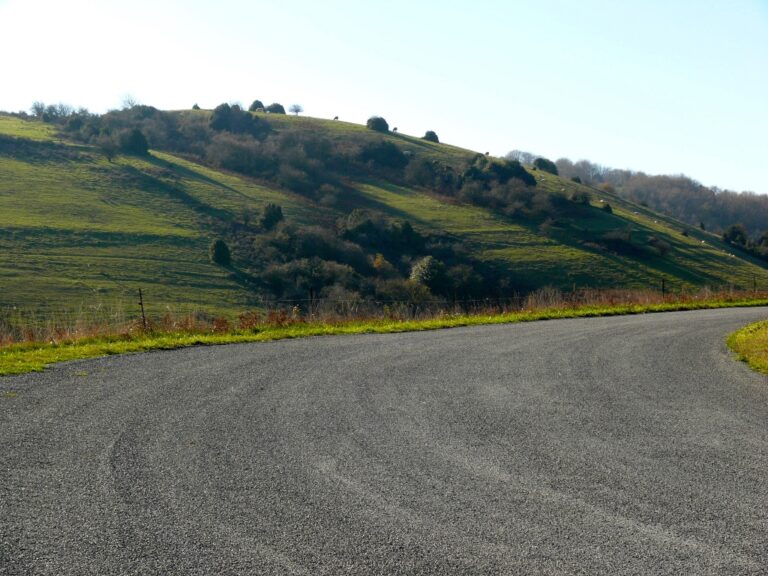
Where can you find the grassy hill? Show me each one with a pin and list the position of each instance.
(78, 230)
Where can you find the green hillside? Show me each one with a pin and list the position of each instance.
(77, 229)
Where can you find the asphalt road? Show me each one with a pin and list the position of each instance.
(629, 445)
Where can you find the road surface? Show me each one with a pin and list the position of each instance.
(627, 445)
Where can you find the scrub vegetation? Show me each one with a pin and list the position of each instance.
(213, 212)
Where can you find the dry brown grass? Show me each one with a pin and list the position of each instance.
(54, 328)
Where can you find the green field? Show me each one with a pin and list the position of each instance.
(77, 230)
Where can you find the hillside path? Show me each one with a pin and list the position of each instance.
(625, 445)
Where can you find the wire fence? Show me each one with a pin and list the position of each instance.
(51, 324)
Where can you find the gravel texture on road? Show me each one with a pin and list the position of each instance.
(625, 445)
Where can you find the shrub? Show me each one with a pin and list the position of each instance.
(430, 136)
(506, 170)
(581, 197)
(236, 120)
(219, 253)
(545, 165)
(108, 146)
(420, 172)
(384, 154)
(275, 108)
(377, 123)
(607, 208)
(736, 234)
(133, 142)
(256, 105)
(241, 154)
(430, 272)
(270, 216)
(576, 179)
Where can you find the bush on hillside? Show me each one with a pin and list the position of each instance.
(270, 216)
(378, 124)
(736, 234)
(226, 118)
(219, 253)
(545, 165)
(581, 197)
(430, 272)
(275, 108)
(383, 154)
(431, 136)
(133, 142)
(256, 105)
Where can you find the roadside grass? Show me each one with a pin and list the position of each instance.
(751, 345)
(19, 358)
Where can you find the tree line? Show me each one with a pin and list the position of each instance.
(676, 195)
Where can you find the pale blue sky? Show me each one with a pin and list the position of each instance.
(675, 86)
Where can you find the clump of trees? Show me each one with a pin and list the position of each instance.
(236, 120)
(737, 236)
(364, 256)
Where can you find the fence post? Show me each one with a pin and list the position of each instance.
(143, 315)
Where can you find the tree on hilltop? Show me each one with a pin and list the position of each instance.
(275, 108)
(256, 105)
(545, 165)
(296, 109)
(431, 136)
(377, 123)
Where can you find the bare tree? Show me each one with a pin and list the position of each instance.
(521, 156)
(296, 109)
(129, 102)
(38, 109)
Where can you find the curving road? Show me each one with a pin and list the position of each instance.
(628, 445)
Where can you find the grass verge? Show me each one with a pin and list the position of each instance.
(34, 356)
(751, 345)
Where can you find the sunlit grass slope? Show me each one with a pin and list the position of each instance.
(75, 228)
